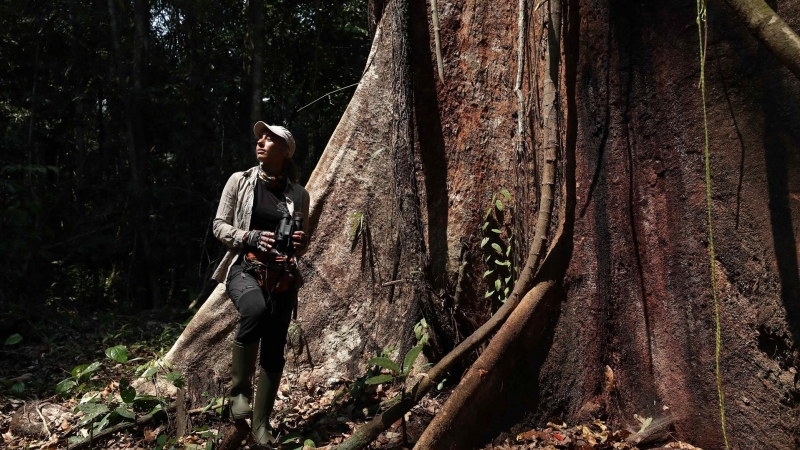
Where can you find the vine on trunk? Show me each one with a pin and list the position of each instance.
(524, 288)
(702, 33)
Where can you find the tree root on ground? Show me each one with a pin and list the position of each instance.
(234, 434)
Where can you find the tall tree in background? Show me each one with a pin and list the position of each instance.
(131, 82)
(141, 107)
(256, 42)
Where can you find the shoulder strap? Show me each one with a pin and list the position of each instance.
(296, 195)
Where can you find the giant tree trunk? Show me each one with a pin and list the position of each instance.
(636, 292)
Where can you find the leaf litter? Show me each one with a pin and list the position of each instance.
(319, 414)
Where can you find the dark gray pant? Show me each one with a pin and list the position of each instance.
(261, 316)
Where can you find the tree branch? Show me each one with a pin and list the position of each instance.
(771, 30)
(437, 40)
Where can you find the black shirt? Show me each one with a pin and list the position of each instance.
(269, 205)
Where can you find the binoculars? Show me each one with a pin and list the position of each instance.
(283, 234)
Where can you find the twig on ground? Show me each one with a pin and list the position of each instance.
(44, 421)
(108, 432)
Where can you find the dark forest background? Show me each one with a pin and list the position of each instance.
(121, 120)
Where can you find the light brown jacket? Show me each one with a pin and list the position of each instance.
(236, 208)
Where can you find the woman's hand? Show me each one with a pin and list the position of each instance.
(291, 261)
(299, 239)
(262, 240)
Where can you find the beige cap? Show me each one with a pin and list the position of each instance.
(277, 130)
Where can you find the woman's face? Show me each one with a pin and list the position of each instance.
(271, 149)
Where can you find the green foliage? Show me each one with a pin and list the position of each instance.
(99, 413)
(176, 379)
(380, 379)
(296, 441)
(84, 371)
(397, 371)
(497, 244)
(421, 331)
(118, 353)
(77, 382)
(384, 363)
(14, 339)
(411, 357)
(74, 220)
(18, 388)
(126, 391)
(65, 386)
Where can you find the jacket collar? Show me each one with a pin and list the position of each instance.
(253, 171)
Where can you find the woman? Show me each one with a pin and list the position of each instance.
(261, 276)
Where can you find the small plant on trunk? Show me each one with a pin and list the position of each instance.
(497, 245)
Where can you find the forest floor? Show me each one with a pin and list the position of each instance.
(67, 379)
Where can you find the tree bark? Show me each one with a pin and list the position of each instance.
(458, 423)
(374, 14)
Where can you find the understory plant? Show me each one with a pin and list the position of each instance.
(99, 411)
(497, 245)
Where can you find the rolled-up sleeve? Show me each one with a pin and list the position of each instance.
(223, 222)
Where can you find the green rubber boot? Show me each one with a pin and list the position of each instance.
(267, 390)
(242, 368)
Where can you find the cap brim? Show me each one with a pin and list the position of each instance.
(259, 128)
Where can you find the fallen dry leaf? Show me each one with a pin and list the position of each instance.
(532, 435)
(683, 445)
(150, 435)
(589, 436)
(600, 424)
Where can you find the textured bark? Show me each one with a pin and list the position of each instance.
(374, 14)
(636, 292)
(458, 423)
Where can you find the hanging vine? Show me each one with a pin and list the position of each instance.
(702, 33)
